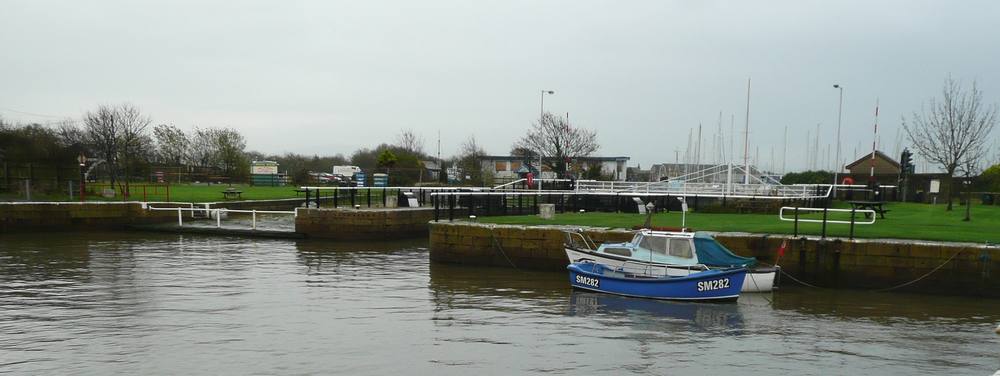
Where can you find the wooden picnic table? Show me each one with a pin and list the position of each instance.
(876, 206)
(230, 194)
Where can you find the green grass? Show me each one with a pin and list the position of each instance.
(904, 221)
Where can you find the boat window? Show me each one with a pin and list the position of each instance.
(620, 251)
(680, 248)
(655, 244)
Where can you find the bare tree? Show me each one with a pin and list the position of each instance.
(134, 140)
(556, 142)
(470, 153)
(104, 132)
(201, 149)
(410, 141)
(952, 132)
(171, 144)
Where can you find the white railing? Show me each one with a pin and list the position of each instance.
(867, 212)
(682, 188)
(218, 216)
(539, 181)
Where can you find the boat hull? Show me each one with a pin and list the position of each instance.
(756, 280)
(711, 285)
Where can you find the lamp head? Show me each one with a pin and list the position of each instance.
(836, 86)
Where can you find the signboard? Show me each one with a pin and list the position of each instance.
(264, 170)
(359, 178)
(935, 186)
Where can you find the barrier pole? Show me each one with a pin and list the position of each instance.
(180, 219)
(254, 215)
(795, 232)
(218, 218)
(852, 224)
(823, 233)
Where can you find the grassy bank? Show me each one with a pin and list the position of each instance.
(904, 221)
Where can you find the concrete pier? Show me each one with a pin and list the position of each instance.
(65, 216)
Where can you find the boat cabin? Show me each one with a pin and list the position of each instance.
(660, 246)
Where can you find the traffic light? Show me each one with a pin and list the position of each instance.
(906, 162)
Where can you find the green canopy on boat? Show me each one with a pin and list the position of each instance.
(711, 253)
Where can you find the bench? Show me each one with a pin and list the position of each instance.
(231, 194)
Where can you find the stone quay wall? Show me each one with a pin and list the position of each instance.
(363, 224)
(962, 268)
(49, 216)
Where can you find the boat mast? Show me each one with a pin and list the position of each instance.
(746, 140)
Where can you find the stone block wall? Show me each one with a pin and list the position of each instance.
(48, 216)
(363, 224)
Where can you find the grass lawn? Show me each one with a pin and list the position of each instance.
(904, 221)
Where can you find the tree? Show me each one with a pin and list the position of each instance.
(557, 142)
(387, 159)
(468, 160)
(952, 132)
(409, 141)
(171, 144)
(231, 146)
(104, 132)
(201, 149)
(133, 139)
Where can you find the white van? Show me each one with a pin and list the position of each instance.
(346, 171)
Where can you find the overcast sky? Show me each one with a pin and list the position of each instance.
(329, 77)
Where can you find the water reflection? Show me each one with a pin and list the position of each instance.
(721, 317)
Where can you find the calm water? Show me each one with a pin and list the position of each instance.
(132, 303)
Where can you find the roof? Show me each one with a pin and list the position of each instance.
(431, 165)
(521, 158)
(868, 156)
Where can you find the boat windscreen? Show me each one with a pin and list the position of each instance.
(711, 253)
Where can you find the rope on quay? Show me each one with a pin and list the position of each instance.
(496, 246)
(783, 272)
(923, 276)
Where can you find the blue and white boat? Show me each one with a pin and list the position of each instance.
(709, 285)
(668, 253)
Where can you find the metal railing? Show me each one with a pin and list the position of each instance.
(217, 213)
(825, 220)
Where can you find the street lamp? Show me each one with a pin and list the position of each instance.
(840, 111)
(542, 107)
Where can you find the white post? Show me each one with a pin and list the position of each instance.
(218, 218)
(180, 217)
(254, 212)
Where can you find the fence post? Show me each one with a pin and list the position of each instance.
(307, 197)
(823, 233)
(218, 218)
(354, 194)
(384, 190)
(369, 190)
(472, 205)
(520, 206)
(795, 232)
(336, 190)
(168, 191)
(70, 186)
(852, 224)
(253, 214)
(437, 216)
(451, 208)
(27, 187)
(180, 219)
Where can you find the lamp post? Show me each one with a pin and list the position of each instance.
(541, 114)
(82, 159)
(840, 111)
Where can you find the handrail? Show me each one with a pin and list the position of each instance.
(218, 211)
(867, 212)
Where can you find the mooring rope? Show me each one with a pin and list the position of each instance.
(923, 276)
(496, 245)
(783, 272)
